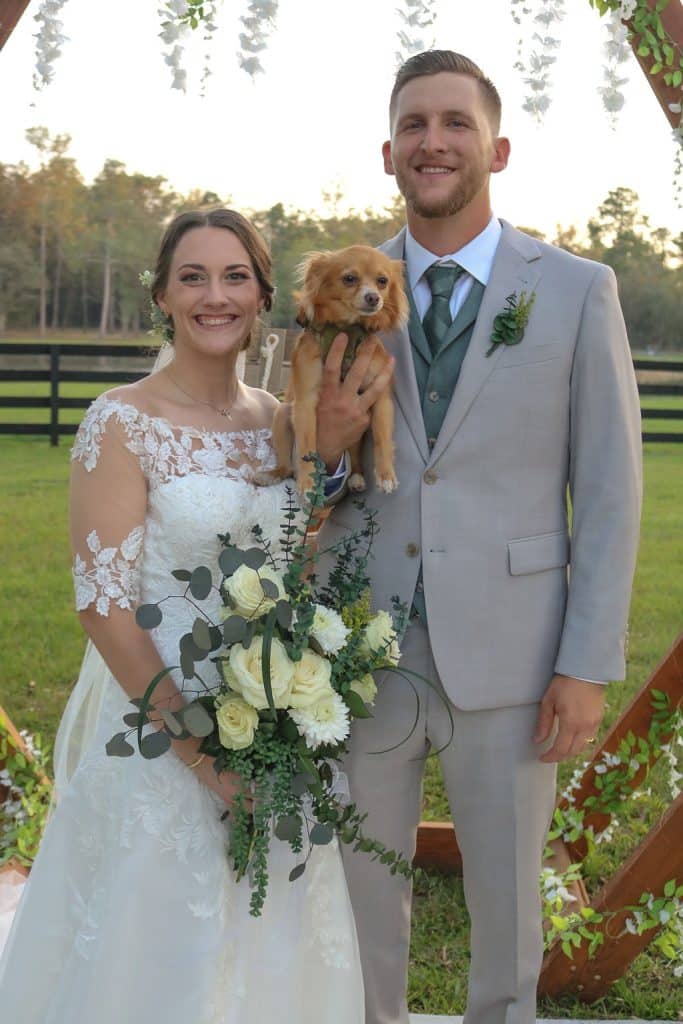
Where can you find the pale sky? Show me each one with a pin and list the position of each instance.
(317, 117)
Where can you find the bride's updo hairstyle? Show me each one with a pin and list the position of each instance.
(230, 220)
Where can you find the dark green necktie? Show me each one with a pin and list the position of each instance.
(441, 279)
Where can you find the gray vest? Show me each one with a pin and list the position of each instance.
(437, 376)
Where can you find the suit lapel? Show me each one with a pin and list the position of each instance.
(516, 268)
(405, 383)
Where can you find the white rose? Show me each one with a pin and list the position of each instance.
(381, 635)
(244, 587)
(311, 680)
(324, 722)
(366, 688)
(237, 721)
(328, 629)
(247, 673)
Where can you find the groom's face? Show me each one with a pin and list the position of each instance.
(442, 148)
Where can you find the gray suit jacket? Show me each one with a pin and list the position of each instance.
(512, 593)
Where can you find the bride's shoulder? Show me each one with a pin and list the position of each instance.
(119, 414)
(262, 406)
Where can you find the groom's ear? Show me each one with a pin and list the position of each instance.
(501, 154)
(386, 155)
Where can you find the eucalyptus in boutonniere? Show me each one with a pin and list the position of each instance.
(509, 326)
(295, 662)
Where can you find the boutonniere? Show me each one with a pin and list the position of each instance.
(509, 326)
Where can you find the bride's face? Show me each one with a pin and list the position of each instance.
(213, 294)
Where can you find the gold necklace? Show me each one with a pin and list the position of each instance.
(222, 411)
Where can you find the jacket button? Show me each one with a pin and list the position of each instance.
(434, 396)
(430, 477)
(412, 550)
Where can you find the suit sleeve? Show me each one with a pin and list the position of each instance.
(605, 487)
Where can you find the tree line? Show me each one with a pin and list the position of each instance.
(71, 253)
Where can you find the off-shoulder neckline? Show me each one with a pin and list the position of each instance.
(263, 432)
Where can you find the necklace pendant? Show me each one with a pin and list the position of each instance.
(226, 413)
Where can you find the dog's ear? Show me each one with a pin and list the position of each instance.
(309, 273)
(396, 302)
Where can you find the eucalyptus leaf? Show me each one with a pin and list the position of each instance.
(249, 630)
(297, 872)
(284, 614)
(301, 782)
(118, 746)
(254, 558)
(197, 719)
(321, 834)
(189, 648)
(184, 575)
(187, 666)
(148, 616)
(174, 726)
(155, 744)
(233, 629)
(229, 560)
(216, 637)
(201, 634)
(133, 719)
(201, 583)
(270, 589)
(288, 827)
(355, 704)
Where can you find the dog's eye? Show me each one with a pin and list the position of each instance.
(382, 281)
(350, 279)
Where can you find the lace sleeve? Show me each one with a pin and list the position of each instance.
(108, 503)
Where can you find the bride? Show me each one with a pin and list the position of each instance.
(131, 912)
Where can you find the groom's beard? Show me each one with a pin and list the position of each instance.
(469, 184)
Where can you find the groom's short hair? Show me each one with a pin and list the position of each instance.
(433, 62)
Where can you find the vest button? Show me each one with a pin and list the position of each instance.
(434, 396)
(412, 550)
(430, 477)
(419, 588)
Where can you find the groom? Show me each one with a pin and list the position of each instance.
(518, 619)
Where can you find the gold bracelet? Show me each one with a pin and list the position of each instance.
(197, 762)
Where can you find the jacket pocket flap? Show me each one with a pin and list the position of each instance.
(535, 554)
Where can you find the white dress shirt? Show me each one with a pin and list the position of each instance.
(476, 258)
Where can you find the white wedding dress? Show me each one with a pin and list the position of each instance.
(131, 913)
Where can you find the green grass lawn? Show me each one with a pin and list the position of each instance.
(43, 645)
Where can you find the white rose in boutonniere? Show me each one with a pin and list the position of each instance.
(509, 326)
(247, 593)
(312, 675)
(237, 721)
(381, 635)
(366, 688)
(328, 629)
(247, 673)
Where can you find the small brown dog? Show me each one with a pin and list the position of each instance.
(358, 291)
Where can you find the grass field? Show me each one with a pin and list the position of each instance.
(42, 645)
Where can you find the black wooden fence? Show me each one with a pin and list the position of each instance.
(56, 372)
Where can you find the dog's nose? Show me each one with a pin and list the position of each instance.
(371, 299)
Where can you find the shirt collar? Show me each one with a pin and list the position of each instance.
(476, 257)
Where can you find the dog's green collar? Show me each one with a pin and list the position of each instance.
(326, 333)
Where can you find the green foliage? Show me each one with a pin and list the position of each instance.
(24, 810)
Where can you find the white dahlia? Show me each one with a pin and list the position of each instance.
(328, 629)
(324, 722)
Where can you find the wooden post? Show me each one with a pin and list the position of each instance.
(10, 12)
(54, 395)
(438, 848)
(657, 860)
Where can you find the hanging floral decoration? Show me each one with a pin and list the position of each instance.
(258, 23)
(173, 32)
(49, 41)
(417, 16)
(617, 50)
(535, 66)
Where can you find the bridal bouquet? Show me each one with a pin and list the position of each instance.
(296, 662)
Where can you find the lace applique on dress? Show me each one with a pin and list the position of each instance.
(113, 575)
(165, 450)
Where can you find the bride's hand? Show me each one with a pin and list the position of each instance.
(227, 785)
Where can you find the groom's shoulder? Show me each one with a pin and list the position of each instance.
(563, 259)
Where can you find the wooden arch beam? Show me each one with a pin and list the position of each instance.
(10, 12)
(672, 19)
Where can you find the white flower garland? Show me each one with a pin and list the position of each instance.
(259, 22)
(172, 33)
(535, 66)
(416, 15)
(617, 51)
(49, 41)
